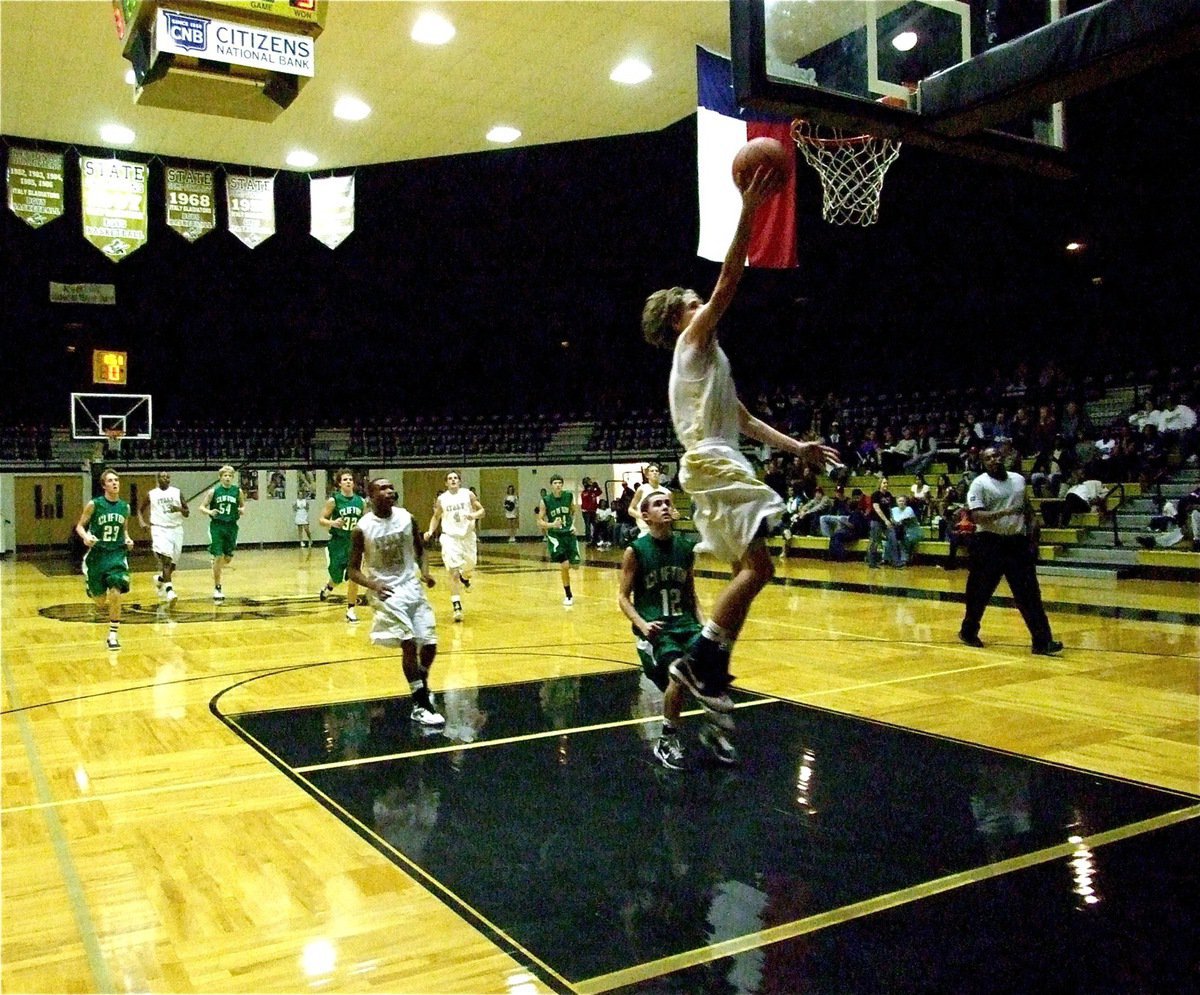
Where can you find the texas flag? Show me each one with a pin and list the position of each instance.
(721, 129)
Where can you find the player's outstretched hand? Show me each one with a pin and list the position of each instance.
(821, 456)
(427, 580)
(765, 182)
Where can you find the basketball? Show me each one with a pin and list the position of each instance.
(760, 152)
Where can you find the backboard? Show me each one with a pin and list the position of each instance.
(94, 415)
(981, 78)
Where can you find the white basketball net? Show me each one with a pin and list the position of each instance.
(851, 168)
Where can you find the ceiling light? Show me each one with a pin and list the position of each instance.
(116, 134)
(503, 133)
(905, 41)
(1076, 246)
(130, 76)
(630, 71)
(432, 29)
(350, 109)
(301, 159)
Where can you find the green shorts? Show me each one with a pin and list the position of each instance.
(222, 538)
(337, 558)
(671, 645)
(106, 570)
(562, 547)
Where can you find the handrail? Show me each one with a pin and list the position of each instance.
(1113, 511)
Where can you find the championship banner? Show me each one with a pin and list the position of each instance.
(83, 293)
(115, 215)
(191, 201)
(251, 204)
(332, 200)
(35, 185)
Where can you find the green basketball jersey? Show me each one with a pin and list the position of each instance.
(349, 510)
(662, 590)
(108, 523)
(558, 511)
(225, 501)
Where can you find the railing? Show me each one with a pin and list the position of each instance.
(1119, 490)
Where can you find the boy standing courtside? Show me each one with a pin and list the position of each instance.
(387, 543)
(658, 595)
(455, 512)
(103, 527)
(556, 517)
(224, 505)
(340, 515)
(733, 510)
(168, 508)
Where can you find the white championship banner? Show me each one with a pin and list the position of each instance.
(332, 202)
(115, 215)
(250, 201)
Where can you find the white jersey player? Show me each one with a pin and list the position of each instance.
(387, 556)
(456, 511)
(168, 508)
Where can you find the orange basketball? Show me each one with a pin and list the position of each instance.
(760, 152)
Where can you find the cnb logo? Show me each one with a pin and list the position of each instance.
(189, 33)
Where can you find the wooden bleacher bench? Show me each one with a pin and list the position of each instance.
(926, 547)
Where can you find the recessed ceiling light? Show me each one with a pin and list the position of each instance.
(1076, 246)
(116, 134)
(350, 109)
(301, 159)
(432, 29)
(905, 41)
(131, 76)
(503, 133)
(630, 71)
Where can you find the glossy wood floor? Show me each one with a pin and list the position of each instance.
(146, 847)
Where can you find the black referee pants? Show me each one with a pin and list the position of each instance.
(992, 557)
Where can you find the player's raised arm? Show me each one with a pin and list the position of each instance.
(701, 331)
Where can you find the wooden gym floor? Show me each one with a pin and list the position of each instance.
(237, 802)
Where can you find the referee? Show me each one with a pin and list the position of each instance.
(1005, 545)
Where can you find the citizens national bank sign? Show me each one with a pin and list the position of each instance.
(236, 44)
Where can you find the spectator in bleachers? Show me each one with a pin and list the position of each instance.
(920, 496)
(902, 450)
(775, 477)
(1147, 414)
(1075, 424)
(1081, 496)
(1050, 468)
(868, 453)
(1177, 426)
(959, 527)
(1152, 457)
(1001, 435)
(941, 495)
(1021, 429)
(904, 535)
(926, 452)
(880, 522)
(843, 529)
(808, 515)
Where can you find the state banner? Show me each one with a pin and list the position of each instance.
(114, 205)
(251, 204)
(35, 185)
(332, 202)
(191, 201)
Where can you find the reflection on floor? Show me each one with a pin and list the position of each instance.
(840, 855)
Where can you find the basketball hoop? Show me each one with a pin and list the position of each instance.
(851, 168)
(112, 440)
